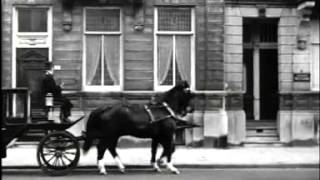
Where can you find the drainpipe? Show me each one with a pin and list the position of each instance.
(204, 96)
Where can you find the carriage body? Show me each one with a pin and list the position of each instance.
(58, 151)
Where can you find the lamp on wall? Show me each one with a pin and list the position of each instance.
(262, 10)
(67, 6)
(304, 28)
(138, 13)
(67, 21)
(138, 27)
(302, 42)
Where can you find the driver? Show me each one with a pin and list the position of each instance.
(49, 86)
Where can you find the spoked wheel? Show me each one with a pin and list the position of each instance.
(58, 153)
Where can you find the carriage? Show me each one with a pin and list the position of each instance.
(58, 152)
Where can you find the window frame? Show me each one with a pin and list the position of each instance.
(102, 88)
(191, 33)
(30, 39)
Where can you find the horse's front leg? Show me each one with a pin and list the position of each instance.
(162, 161)
(154, 147)
(168, 150)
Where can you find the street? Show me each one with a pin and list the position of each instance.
(186, 173)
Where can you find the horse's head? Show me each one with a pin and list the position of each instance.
(179, 98)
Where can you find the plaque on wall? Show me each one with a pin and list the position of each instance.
(301, 77)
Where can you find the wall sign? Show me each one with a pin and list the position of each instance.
(301, 77)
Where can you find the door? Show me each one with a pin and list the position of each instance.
(31, 66)
(31, 44)
(248, 78)
(260, 62)
(268, 84)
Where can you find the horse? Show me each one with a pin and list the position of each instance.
(157, 121)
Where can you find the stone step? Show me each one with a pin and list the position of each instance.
(258, 139)
(253, 124)
(264, 144)
(260, 123)
(260, 127)
(264, 134)
(259, 131)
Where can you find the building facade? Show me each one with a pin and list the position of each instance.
(250, 63)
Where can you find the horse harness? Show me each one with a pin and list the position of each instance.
(149, 108)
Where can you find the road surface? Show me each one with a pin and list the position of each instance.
(186, 174)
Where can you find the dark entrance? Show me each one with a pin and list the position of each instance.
(268, 84)
(260, 60)
(248, 96)
(31, 65)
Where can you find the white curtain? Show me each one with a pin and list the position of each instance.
(183, 57)
(112, 57)
(165, 47)
(93, 49)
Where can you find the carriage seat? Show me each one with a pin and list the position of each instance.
(41, 113)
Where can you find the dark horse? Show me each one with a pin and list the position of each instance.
(157, 121)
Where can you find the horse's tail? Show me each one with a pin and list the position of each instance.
(93, 129)
(88, 138)
(87, 144)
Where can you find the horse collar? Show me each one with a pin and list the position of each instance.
(164, 104)
(169, 109)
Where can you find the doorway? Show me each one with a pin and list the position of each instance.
(31, 65)
(260, 62)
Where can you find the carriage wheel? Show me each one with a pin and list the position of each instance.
(58, 153)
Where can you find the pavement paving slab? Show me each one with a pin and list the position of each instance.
(25, 156)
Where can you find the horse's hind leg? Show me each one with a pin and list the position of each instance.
(154, 147)
(112, 150)
(102, 146)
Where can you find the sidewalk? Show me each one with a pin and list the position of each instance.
(235, 157)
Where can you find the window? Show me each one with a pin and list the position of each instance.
(102, 54)
(32, 30)
(314, 48)
(31, 50)
(174, 46)
(32, 20)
